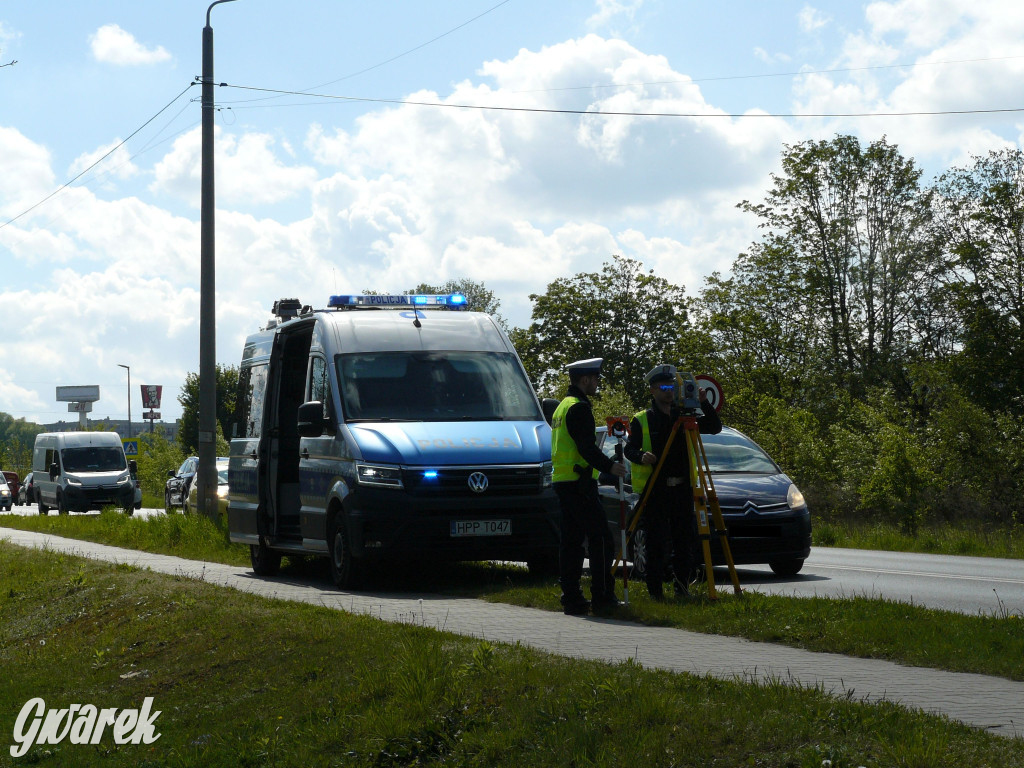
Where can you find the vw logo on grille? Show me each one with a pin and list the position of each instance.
(477, 482)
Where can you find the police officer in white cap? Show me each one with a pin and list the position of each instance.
(576, 462)
(669, 517)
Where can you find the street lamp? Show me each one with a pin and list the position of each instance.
(206, 475)
(128, 368)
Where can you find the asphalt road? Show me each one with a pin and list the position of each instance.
(970, 585)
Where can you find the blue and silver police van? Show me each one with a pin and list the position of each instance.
(388, 427)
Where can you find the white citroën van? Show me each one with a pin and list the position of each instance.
(79, 471)
(387, 427)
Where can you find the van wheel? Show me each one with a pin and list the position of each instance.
(43, 509)
(62, 507)
(265, 561)
(344, 571)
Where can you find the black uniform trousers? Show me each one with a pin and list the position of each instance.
(672, 537)
(583, 519)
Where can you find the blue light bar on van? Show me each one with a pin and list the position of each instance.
(450, 300)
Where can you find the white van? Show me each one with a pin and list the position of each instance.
(79, 471)
(376, 429)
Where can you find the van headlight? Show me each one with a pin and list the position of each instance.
(794, 498)
(547, 474)
(72, 480)
(124, 479)
(375, 474)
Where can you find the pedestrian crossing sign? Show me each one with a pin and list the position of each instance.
(131, 446)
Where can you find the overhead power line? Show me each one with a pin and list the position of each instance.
(617, 113)
(120, 144)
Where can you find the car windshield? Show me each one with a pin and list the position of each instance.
(731, 452)
(727, 452)
(93, 459)
(435, 386)
(222, 474)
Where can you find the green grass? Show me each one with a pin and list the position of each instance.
(855, 626)
(963, 538)
(246, 681)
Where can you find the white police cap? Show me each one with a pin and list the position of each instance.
(661, 373)
(589, 367)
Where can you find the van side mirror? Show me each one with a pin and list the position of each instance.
(311, 419)
(54, 470)
(133, 467)
(548, 405)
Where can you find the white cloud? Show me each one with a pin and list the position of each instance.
(611, 10)
(112, 45)
(811, 19)
(247, 170)
(118, 165)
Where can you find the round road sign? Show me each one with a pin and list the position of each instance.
(715, 395)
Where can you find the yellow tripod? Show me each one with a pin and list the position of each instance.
(705, 499)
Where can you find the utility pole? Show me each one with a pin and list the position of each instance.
(207, 470)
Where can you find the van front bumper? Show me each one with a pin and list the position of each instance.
(387, 523)
(82, 498)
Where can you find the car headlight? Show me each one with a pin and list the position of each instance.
(794, 498)
(372, 474)
(5, 493)
(72, 480)
(547, 474)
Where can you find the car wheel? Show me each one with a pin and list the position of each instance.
(344, 571)
(265, 561)
(789, 567)
(168, 507)
(186, 507)
(639, 554)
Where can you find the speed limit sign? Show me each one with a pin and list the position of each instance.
(715, 395)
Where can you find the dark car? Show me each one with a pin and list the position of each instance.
(13, 484)
(178, 483)
(192, 500)
(26, 493)
(764, 512)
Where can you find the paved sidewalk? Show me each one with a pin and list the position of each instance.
(990, 703)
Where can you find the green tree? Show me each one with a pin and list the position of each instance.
(980, 217)
(157, 455)
(855, 219)
(630, 317)
(227, 391)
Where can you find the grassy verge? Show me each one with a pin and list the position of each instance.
(930, 538)
(244, 681)
(863, 627)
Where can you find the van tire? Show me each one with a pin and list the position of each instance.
(62, 507)
(265, 561)
(43, 509)
(344, 571)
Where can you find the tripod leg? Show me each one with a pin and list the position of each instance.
(700, 504)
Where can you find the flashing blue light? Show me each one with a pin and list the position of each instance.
(451, 300)
(430, 474)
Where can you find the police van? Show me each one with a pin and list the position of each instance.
(388, 427)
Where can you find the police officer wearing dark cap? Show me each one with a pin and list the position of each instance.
(576, 461)
(669, 513)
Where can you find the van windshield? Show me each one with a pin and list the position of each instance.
(93, 459)
(435, 386)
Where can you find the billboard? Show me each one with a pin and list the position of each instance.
(87, 393)
(151, 394)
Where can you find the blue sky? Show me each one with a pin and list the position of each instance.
(318, 196)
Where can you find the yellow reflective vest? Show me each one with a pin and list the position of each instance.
(642, 472)
(564, 453)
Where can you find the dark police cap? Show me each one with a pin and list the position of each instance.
(591, 367)
(662, 373)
